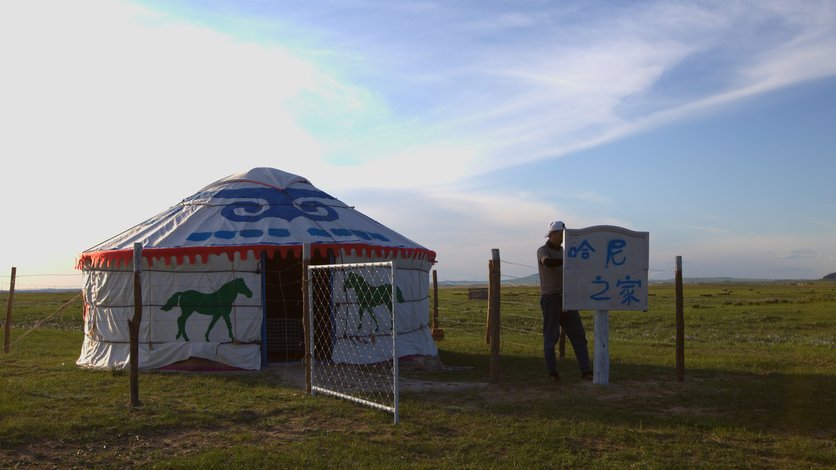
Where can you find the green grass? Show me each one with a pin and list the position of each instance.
(760, 392)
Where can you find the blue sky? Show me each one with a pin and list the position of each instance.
(464, 125)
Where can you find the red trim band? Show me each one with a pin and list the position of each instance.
(114, 258)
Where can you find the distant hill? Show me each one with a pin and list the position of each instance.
(530, 280)
(50, 290)
(830, 277)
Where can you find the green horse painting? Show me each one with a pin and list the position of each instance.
(215, 304)
(370, 297)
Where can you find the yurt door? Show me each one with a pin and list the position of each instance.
(283, 299)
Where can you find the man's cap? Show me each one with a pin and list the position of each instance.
(554, 226)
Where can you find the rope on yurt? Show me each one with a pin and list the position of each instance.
(235, 340)
(40, 322)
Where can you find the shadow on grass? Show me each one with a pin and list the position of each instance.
(638, 393)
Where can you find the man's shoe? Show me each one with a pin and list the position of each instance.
(555, 376)
(587, 375)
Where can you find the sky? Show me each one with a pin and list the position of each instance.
(464, 125)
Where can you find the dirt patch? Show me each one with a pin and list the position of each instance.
(293, 375)
(135, 450)
(138, 450)
(632, 390)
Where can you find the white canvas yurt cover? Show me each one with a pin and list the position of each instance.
(237, 245)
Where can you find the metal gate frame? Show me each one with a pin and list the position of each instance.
(314, 367)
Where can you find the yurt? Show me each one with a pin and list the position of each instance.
(238, 241)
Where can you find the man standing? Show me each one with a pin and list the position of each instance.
(550, 267)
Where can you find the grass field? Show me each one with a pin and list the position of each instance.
(760, 392)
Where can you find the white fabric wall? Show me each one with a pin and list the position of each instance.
(414, 336)
(108, 295)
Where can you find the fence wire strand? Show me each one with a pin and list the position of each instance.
(42, 320)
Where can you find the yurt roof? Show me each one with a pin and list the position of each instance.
(260, 210)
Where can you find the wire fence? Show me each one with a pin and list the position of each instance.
(43, 320)
(42, 281)
(353, 351)
(521, 327)
(73, 281)
(521, 324)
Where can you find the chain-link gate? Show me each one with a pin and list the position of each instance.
(352, 343)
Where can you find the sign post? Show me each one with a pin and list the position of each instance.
(605, 268)
(601, 372)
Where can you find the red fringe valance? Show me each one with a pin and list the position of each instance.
(115, 258)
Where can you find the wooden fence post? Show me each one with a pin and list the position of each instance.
(437, 333)
(306, 319)
(7, 333)
(133, 326)
(493, 313)
(680, 324)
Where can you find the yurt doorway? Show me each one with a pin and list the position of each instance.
(283, 299)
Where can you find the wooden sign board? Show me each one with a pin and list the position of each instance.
(477, 293)
(605, 268)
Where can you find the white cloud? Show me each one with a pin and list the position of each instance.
(562, 88)
(112, 113)
(801, 253)
(761, 256)
(123, 110)
(107, 81)
(463, 228)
